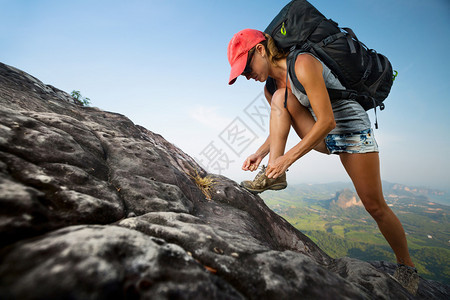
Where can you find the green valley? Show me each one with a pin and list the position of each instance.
(333, 217)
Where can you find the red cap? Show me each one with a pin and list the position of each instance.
(238, 49)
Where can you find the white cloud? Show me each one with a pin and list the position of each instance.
(210, 117)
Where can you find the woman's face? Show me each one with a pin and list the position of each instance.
(257, 66)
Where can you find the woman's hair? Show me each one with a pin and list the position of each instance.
(272, 51)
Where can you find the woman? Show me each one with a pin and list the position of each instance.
(341, 128)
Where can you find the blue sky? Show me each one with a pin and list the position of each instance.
(163, 64)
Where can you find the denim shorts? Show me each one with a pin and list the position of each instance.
(357, 142)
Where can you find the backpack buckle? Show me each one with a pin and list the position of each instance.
(353, 96)
(305, 47)
(328, 40)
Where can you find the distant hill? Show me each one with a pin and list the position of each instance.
(345, 199)
(325, 191)
(335, 219)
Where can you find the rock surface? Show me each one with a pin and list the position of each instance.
(95, 207)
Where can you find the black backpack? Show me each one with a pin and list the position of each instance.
(366, 74)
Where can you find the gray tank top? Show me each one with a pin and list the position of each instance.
(349, 115)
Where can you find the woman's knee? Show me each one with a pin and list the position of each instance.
(292, 105)
(377, 209)
(278, 98)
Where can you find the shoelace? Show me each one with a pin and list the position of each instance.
(408, 267)
(260, 173)
(263, 171)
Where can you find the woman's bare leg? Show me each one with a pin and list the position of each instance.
(282, 118)
(364, 170)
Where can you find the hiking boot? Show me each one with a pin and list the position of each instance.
(262, 182)
(407, 276)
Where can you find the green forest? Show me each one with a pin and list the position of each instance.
(350, 231)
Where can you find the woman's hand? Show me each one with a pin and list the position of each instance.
(252, 162)
(278, 167)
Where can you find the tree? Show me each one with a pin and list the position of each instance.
(80, 99)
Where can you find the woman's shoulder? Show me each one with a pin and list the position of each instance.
(307, 67)
(307, 59)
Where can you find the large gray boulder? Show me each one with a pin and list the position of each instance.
(95, 207)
